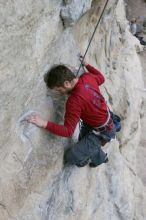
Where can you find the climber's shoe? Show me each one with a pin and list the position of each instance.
(92, 165)
(106, 160)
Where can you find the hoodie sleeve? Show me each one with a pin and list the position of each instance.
(72, 117)
(99, 75)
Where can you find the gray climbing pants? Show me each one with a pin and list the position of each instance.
(88, 147)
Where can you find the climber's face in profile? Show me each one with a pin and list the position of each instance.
(60, 89)
(65, 89)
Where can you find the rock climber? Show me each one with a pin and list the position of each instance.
(135, 30)
(84, 102)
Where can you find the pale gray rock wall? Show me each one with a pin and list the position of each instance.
(33, 183)
(72, 10)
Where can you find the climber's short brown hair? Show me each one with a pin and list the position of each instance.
(57, 75)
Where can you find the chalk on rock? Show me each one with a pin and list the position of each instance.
(24, 128)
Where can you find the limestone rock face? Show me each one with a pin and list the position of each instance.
(73, 10)
(33, 183)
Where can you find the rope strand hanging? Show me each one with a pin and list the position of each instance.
(92, 36)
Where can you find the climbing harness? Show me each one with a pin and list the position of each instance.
(102, 127)
(92, 36)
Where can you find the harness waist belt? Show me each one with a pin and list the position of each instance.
(106, 123)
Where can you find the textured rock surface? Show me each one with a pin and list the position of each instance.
(33, 183)
(72, 10)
